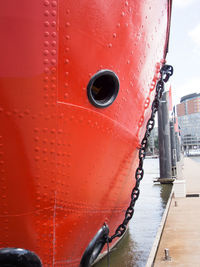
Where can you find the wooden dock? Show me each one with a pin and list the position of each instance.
(180, 229)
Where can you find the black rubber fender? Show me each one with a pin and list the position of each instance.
(18, 257)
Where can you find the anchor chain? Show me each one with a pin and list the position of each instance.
(165, 73)
(102, 236)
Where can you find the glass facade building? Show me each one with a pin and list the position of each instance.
(188, 112)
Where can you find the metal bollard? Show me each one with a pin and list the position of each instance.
(167, 256)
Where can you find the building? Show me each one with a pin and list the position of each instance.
(153, 141)
(188, 113)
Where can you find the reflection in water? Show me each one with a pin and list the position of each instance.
(133, 250)
(165, 191)
(122, 254)
(195, 159)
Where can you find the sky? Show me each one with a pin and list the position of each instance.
(184, 48)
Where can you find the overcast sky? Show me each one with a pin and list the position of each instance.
(184, 48)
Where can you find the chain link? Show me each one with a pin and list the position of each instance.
(165, 73)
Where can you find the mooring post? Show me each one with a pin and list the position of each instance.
(178, 147)
(173, 148)
(164, 139)
(167, 256)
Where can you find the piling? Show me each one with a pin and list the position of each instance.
(164, 139)
(178, 147)
(173, 148)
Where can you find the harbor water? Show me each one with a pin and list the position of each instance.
(134, 248)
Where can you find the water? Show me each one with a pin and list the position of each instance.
(134, 248)
(197, 159)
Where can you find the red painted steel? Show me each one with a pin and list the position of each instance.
(66, 166)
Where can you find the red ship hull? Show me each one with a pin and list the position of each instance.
(68, 166)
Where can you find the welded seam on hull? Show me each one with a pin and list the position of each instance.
(26, 213)
(100, 114)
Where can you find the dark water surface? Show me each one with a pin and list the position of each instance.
(133, 250)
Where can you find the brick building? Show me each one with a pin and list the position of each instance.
(188, 113)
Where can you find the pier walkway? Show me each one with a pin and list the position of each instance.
(181, 233)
